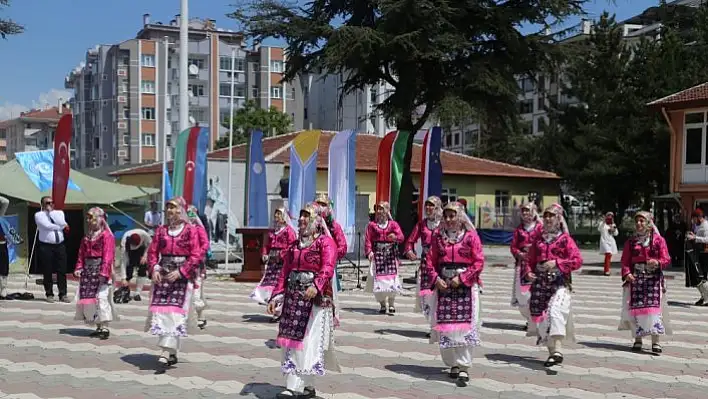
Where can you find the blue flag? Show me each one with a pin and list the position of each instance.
(256, 209)
(199, 196)
(10, 227)
(167, 195)
(431, 168)
(39, 168)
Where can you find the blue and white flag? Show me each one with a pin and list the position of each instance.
(256, 185)
(431, 168)
(341, 184)
(10, 227)
(39, 168)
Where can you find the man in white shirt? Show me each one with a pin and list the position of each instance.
(51, 226)
(134, 245)
(153, 218)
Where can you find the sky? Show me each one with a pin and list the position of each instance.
(58, 33)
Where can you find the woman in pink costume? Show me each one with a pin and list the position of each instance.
(454, 264)
(525, 235)
(306, 330)
(94, 268)
(198, 299)
(281, 236)
(382, 236)
(644, 309)
(173, 258)
(551, 260)
(423, 231)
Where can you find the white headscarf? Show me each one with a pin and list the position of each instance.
(644, 236)
(460, 224)
(316, 226)
(436, 217)
(557, 226)
(387, 212)
(279, 226)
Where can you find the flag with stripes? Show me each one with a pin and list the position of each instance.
(389, 173)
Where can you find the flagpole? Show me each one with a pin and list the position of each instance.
(231, 144)
(164, 132)
(183, 65)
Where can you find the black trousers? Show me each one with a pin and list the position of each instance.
(52, 259)
(142, 271)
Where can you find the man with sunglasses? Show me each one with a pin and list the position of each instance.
(51, 226)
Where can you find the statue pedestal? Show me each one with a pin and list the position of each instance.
(253, 240)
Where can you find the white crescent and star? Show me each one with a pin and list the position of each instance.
(63, 155)
(257, 168)
(189, 165)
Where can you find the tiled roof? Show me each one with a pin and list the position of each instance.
(50, 113)
(366, 155)
(696, 95)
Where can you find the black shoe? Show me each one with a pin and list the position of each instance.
(454, 373)
(428, 335)
(6, 298)
(104, 334)
(172, 360)
(526, 327)
(201, 324)
(554, 360)
(287, 394)
(96, 334)
(637, 347)
(464, 376)
(699, 302)
(383, 309)
(137, 298)
(309, 393)
(656, 349)
(391, 310)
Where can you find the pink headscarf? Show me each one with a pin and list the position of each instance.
(460, 216)
(99, 214)
(387, 209)
(557, 226)
(533, 215)
(317, 223)
(181, 205)
(651, 226)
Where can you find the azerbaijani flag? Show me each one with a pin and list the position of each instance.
(430, 168)
(390, 165)
(189, 172)
(303, 171)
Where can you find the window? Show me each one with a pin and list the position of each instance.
(456, 139)
(698, 117)
(197, 90)
(471, 136)
(535, 197)
(126, 139)
(526, 127)
(224, 116)
(448, 195)
(525, 84)
(123, 86)
(373, 93)
(542, 125)
(199, 115)
(126, 113)
(197, 61)
(96, 143)
(240, 92)
(148, 139)
(541, 83)
(225, 90)
(148, 113)
(104, 76)
(448, 140)
(276, 66)
(168, 140)
(275, 92)
(501, 202)
(292, 94)
(169, 62)
(148, 60)
(541, 102)
(694, 146)
(148, 86)
(125, 60)
(225, 63)
(526, 106)
(255, 93)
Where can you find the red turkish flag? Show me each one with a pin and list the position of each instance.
(190, 165)
(60, 178)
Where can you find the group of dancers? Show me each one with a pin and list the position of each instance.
(300, 284)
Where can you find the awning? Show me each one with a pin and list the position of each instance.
(15, 183)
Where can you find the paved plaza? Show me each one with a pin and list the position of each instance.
(45, 354)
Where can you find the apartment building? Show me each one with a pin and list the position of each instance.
(127, 94)
(537, 92)
(32, 131)
(328, 107)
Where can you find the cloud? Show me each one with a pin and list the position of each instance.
(50, 98)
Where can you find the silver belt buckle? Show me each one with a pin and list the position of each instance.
(640, 267)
